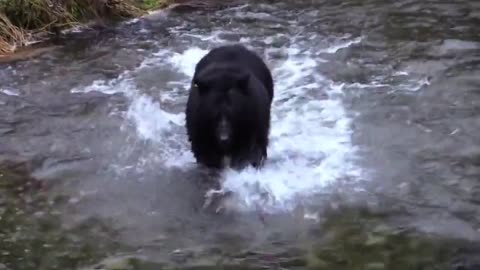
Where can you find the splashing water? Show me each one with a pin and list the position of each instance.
(310, 145)
(310, 140)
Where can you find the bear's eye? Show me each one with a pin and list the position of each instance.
(196, 86)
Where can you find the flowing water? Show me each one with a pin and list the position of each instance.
(376, 106)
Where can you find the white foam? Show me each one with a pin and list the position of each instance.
(186, 61)
(335, 48)
(410, 83)
(10, 92)
(416, 85)
(151, 121)
(310, 142)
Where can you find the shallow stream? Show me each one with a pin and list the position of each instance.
(375, 124)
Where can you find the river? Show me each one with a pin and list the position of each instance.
(373, 157)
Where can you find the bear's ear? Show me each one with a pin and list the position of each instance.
(242, 82)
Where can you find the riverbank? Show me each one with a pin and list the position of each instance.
(23, 23)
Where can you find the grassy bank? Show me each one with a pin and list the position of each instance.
(22, 20)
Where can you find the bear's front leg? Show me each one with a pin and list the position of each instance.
(258, 157)
(210, 160)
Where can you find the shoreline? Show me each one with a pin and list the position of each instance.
(38, 41)
(18, 42)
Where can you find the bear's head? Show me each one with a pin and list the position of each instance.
(224, 103)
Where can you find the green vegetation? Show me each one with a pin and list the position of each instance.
(153, 4)
(20, 20)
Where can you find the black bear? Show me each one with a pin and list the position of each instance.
(228, 108)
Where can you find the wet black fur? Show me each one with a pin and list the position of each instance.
(235, 80)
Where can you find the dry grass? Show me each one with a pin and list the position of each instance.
(10, 35)
(20, 18)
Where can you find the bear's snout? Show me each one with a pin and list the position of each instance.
(224, 131)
